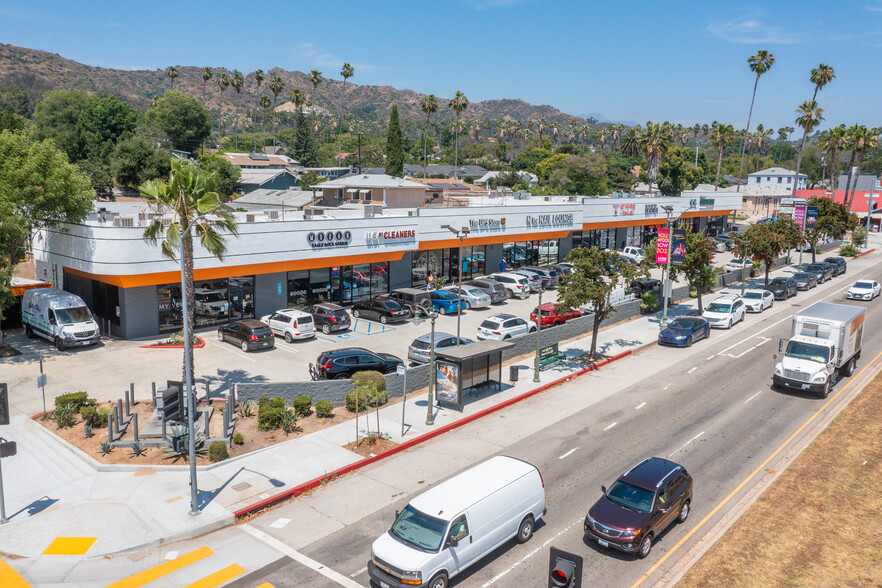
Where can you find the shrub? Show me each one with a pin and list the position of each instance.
(288, 421)
(324, 409)
(270, 402)
(367, 398)
(65, 415)
(302, 405)
(368, 378)
(95, 416)
(217, 451)
(237, 439)
(649, 303)
(137, 450)
(246, 409)
(859, 236)
(87, 431)
(105, 447)
(848, 251)
(78, 399)
(269, 417)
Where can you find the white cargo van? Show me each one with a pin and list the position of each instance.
(453, 525)
(60, 317)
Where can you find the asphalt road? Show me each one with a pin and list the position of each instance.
(711, 409)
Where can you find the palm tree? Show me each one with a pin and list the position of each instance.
(850, 135)
(264, 102)
(315, 76)
(540, 126)
(655, 143)
(429, 106)
(299, 99)
(759, 63)
(762, 136)
(864, 140)
(347, 72)
(459, 103)
(237, 82)
(172, 72)
(223, 81)
(190, 197)
(631, 143)
(259, 76)
(616, 129)
(276, 85)
(721, 136)
(809, 117)
(831, 142)
(601, 138)
(207, 74)
(821, 76)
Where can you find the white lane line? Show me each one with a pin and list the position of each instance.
(641, 405)
(610, 426)
(500, 575)
(692, 370)
(666, 387)
(299, 557)
(687, 443)
(749, 349)
(752, 397)
(280, 348)
(568, 453)
(359, 572)
(226, 348)
(711, 357)
(786, 318)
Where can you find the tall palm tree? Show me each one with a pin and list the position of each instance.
(223, 82)
(459, 103)
(347, 72)
(759, 63)
(237, 82)
(172, 72)
(821, 76)
(259, 76)
(655, 143)
(276, 85)
(809, 117)
(631, 143)
(299, 99)
(601, 138)
(540, 126)
(850, 142)
(429, 106)
(207, 74)
(721, 137)
(833, 140)
(264, 102)
(864, 140)
(762, 137)
(190, 197)
(315, 77)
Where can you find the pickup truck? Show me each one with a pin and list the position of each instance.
(824, 345)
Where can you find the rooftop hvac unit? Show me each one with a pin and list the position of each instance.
(167, 221)
(272, 214)
(250, 218)
(124, 221)
(313, 212)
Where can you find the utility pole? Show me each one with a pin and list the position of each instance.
(538, 331)
(359, 151)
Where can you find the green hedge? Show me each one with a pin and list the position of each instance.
(269, 418)
(78, 399)
(367, 398)
(302, 404)
(368, 378)
(95, 416)
(325, 409)
(271, 402)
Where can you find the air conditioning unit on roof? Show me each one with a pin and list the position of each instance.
(271, 214)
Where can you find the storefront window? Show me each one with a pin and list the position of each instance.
(548, 251)
(379, 279)
(319, 285)
(435, 262)
(474, 257)
(240, 295)
(298, 287)
(211, 304)
(361, 282)
(419, 268)
(171, 314)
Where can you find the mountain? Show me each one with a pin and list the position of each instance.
(37, 71)
(602, 119)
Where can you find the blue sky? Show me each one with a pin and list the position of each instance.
(683, 61)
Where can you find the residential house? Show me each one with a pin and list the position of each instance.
(445, 171)
(380, 189)
(263, 199)
(864, 183)
(259, 160)
(776, 176)
(484, 181)
(268, 179)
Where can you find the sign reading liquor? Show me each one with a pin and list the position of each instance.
(538, 221)
(326, 239)
(487, 224)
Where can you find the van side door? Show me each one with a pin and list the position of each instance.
(465, 552)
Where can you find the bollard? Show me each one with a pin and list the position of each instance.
(135, 424)
(235, 390)
(164, 431)
(226, 416)
(208, 392)
(131, 394)
(110, 426)
(153, 393)
(207, 414)
(118, 410)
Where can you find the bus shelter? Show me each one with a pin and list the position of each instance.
(466, 367)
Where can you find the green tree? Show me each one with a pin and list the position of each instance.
(429, 106)
(264, 102)
(394, 150)
(810, 116)
(584, 175)
(698, 265)
(227, 175)
(223, 82)
(100, 176)
(11, 121)
(276, 86)
(834, 220)
(654, 144)
(760, 242)
(238, 82)
(821, 76)
(721, 136)
(60, 116)
(831, 142)
(172, 72)
(549, 164)
(304, 149)
(207, 74)
(527, 160)
(459, 103)
(259, 76)
(589, 286)
(137, 160)
(631, 142)
(182, 119)
(678, 172)
(310, 180)
(863, 139)
(190, 196)
(759, 63)
(791, 235)
(16, 99)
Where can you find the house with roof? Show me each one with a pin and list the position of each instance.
(484, 181)
(444, 171)
(777, 176)
(864, 182)
(860, 202)
(267, 179)
(380, 189)
(262, 199)
(274, 150)
(447, 190)
(259, 160)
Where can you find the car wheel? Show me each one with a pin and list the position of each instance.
(507, 337)
(689, 341)
(341, 377)
(525, 531)
(729, 326)
(684, 512)
(356, 313)
(383, 319)
(326, 329)
(244, 346)
(825, 391)
(29, 332)
(442, 310)
(468, 305)
(849, 369)
(289, 338)
(645, 547)
(439, 580)
(59, 344)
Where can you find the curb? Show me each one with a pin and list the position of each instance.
(867, 252)
(199, 345)
(316, 482)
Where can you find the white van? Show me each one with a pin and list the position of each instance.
(58, 316)
(450, 527)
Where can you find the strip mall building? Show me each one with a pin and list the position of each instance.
(284, 258)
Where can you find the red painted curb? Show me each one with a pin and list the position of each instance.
(199, 345)
(867, 252)
(315, 483)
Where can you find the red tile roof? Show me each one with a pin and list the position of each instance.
(858, 203)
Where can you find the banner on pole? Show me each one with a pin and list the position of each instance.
(678, 247)
(664, 243)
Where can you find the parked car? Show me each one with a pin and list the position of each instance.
(384, 310)
(640, 505)
(618, 295)
(782, 288)
(805, 280)
(758, 300)
(549, 277)
(60, 317)
(839, 265)
(824, 270)
(864, 290)
(534, 280)
(339, 364)
(472, 297)
(329, 317)
(564, 268)
(248, 334)
(683, 331)
(640, 286)
(514, 283)
(734, 265)
(636, 254)
(290, 324)
(495, 290)
(445, 301)
(411, 298)
(504, 326)
(420, 348)
(725, 311)
(720, 246)
(552, 316)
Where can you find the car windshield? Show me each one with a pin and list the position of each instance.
(778, 282)
(718, 307)
(213, 297)
(68, 316)
(488, 324)
(863, 285)
(418, 529)
(417, 344)
(802, 276)
(752, 295)
(630, 496)
(682, 324)
(809, 351)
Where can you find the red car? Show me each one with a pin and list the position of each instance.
(552, 317)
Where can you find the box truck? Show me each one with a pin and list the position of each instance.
(58, 316)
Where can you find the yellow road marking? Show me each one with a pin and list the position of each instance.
(70, 546)
(266, 585)
(750, 477)
(9, 578)
(161, 570)
(219, 577)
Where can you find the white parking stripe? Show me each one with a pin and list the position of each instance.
(610, 426)
(287, 349)
(358, 572)
(568, 453)
(687, 443)
(225, 347)
(752, 397)
(639, 406)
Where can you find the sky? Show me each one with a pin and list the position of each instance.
(683, 61)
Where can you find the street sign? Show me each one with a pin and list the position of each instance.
(400, 369)
(41, 380)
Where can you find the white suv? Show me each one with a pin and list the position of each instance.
(290, 324)
(517, 284)
(504, 326)
(635, 253)
(725, 311)
(210, 302)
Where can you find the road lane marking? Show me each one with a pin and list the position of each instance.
(225, 347)
(687, 443)
(10, 578)
(749, 349)
(299, 557)
(692, 370)
(752, 397)
(666, 387)
(219, 577)
(163, 569)
(746, 339)
(501, 574)
(353, 574)
(610, 426)
(568, 453)
(711, 357)
(639, 406)
(744, 482)
(286, 349)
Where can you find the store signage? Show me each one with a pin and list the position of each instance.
(388, 236)
(705, 203)
(811, 218)
(650, 210)
(550, 220)
(624, 209)
(487, 224)
(325, 239)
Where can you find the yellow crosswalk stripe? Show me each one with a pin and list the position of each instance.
(219, 577)
(70, 546)
(266, 585)
(161, 570)
(9, 578)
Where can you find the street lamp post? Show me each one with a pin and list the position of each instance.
(188, 376)
(430, 415)
(538, 331)
(460, 233)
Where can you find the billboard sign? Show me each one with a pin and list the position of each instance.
(811, 218)
(447, 382)
(799, 215)
(664, 242)
(678, 248)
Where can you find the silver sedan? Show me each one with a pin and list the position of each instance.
(473, 297)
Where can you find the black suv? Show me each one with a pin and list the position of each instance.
(640, 506)
(495, 290)
(839, 265)
(782, 288)
(640, 286)
(342, 363)
(384, 310)
(248, 334)
(328, 317)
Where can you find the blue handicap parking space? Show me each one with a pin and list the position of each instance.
(366, 327)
